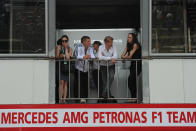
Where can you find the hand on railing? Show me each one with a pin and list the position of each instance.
(87, 57)
(113, 61)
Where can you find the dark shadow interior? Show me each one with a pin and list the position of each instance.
(96, 14)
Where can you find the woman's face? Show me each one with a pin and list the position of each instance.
(130, 38)
(96, 47)
(65, 42)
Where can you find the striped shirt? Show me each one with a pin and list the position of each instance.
(79, 53)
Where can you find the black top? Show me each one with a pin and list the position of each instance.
(136, 55)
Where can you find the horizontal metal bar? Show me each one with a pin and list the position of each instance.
(98, 98)
(174, 54)
(98, 60)
(169, 57)
(143, 58)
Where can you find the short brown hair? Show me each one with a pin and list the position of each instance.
(108, 38)
(84, 38)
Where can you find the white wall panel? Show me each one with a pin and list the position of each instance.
(166, 81)
(190, 80)
(24, 81)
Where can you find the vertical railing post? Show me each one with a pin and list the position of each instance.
(117, 78)
(136, 84)
(79, 83)
(108, 81)
(69, 79)
(59, 79)
(88, 79)
(98, 78)
(127, 83)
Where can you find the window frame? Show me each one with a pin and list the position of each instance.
(150, 41)
(46, 41)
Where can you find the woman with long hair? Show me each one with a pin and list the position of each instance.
(63, 51)
(133, 51)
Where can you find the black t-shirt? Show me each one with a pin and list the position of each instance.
(136, 55)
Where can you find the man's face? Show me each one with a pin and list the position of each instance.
(109, 43)
(87, 43)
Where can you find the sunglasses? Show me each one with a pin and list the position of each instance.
(64, 41)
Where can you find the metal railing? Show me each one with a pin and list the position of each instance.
(119, 67)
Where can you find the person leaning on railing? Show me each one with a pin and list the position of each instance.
(63, 52)
(83, 52)
(133, 51)
(107, 55)
(96, 71)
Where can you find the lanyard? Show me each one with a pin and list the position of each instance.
(65, 62)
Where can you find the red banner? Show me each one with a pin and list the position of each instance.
(117, 117)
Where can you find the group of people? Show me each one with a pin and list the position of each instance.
(102, 57)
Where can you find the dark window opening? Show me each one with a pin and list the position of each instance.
(84, 14)
(22, 27)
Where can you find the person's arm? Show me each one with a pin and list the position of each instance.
(135, 47)
(123, 56)
(58, 48)
(70, 52)
(101, 55)
(68, 55)
(114, 57)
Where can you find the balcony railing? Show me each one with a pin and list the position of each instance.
(120, 88)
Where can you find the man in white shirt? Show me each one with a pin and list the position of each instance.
(83, 52)
(107, 55)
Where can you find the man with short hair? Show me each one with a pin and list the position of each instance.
(107, 54)
(83, 52)
(95, 69)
